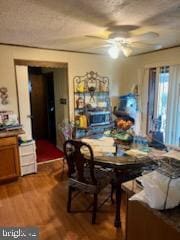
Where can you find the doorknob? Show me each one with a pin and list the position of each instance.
(52, 109)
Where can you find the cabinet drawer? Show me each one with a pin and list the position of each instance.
(26, 149)
(28, 169)
(28, 159)
(8, 141)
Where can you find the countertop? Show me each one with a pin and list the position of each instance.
(10, 133)
(171, 216)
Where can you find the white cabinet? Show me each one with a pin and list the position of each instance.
(28, 161)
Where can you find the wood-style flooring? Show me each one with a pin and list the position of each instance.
(40, 200)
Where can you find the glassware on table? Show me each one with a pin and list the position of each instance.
(140, 143)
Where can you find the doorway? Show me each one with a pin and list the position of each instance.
(44, 87)
(43, 112)
(42, 104)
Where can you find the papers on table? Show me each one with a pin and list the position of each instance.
(101, 146)
(173, 154)
(136, 153)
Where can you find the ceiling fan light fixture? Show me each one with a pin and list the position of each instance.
(126, 51)
(113, 52)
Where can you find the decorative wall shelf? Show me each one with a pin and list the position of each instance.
(91, 90)
(91, 95)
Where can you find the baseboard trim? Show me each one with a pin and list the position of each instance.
(49, 161)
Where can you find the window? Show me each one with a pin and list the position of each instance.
(163, 110)
(158, 100)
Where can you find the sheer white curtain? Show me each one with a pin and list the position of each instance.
(143, 77)
(173, 109)
(156, 92)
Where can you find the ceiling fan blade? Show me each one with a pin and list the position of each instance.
(122, 28)
(97, 37)
(144, 45)
(143, 37)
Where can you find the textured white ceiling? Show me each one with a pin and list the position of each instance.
(64, 24)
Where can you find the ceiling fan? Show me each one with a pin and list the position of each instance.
(122, 38)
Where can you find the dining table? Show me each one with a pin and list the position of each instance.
(124, 168)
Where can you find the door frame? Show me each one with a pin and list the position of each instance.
(36, 63)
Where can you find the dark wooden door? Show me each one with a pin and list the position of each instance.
(48, 77)
(38, 98)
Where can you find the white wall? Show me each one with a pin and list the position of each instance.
(78, 64)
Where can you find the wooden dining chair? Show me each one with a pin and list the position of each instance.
(83, 176)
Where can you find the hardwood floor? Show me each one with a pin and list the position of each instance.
(40, 200)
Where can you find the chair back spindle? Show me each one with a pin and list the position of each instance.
(78, 163)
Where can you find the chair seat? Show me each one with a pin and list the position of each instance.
(102, 176)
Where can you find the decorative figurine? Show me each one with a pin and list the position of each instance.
(4, 95)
